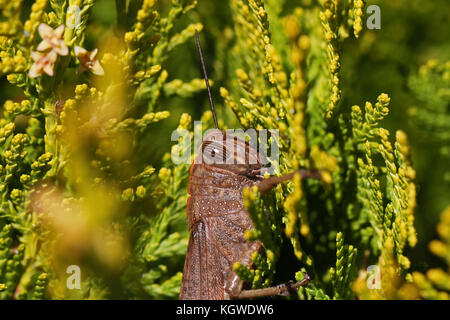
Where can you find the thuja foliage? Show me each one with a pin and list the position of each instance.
(92, 91)
(431, 86)
(73, 191)
(368, 192)
(435, 284)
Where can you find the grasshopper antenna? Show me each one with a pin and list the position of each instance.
(206, 79)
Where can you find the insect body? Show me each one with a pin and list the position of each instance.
(217, 219)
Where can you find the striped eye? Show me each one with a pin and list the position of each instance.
(214, 152)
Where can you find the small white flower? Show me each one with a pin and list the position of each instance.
(43, 62)
(88, 60)
(52, 39)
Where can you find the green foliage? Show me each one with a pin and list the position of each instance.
(372, 195)
(343, 274)
(86, 176)
(68, 169)
(431, 86)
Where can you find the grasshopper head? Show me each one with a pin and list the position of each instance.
(228, 151)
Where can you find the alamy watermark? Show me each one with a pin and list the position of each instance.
(74, 280)
(373, 281)
(374, 20)
(74, 17)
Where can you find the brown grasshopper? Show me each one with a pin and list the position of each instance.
(217, 218)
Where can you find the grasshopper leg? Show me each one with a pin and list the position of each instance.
(284, 289)
(266, 185)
